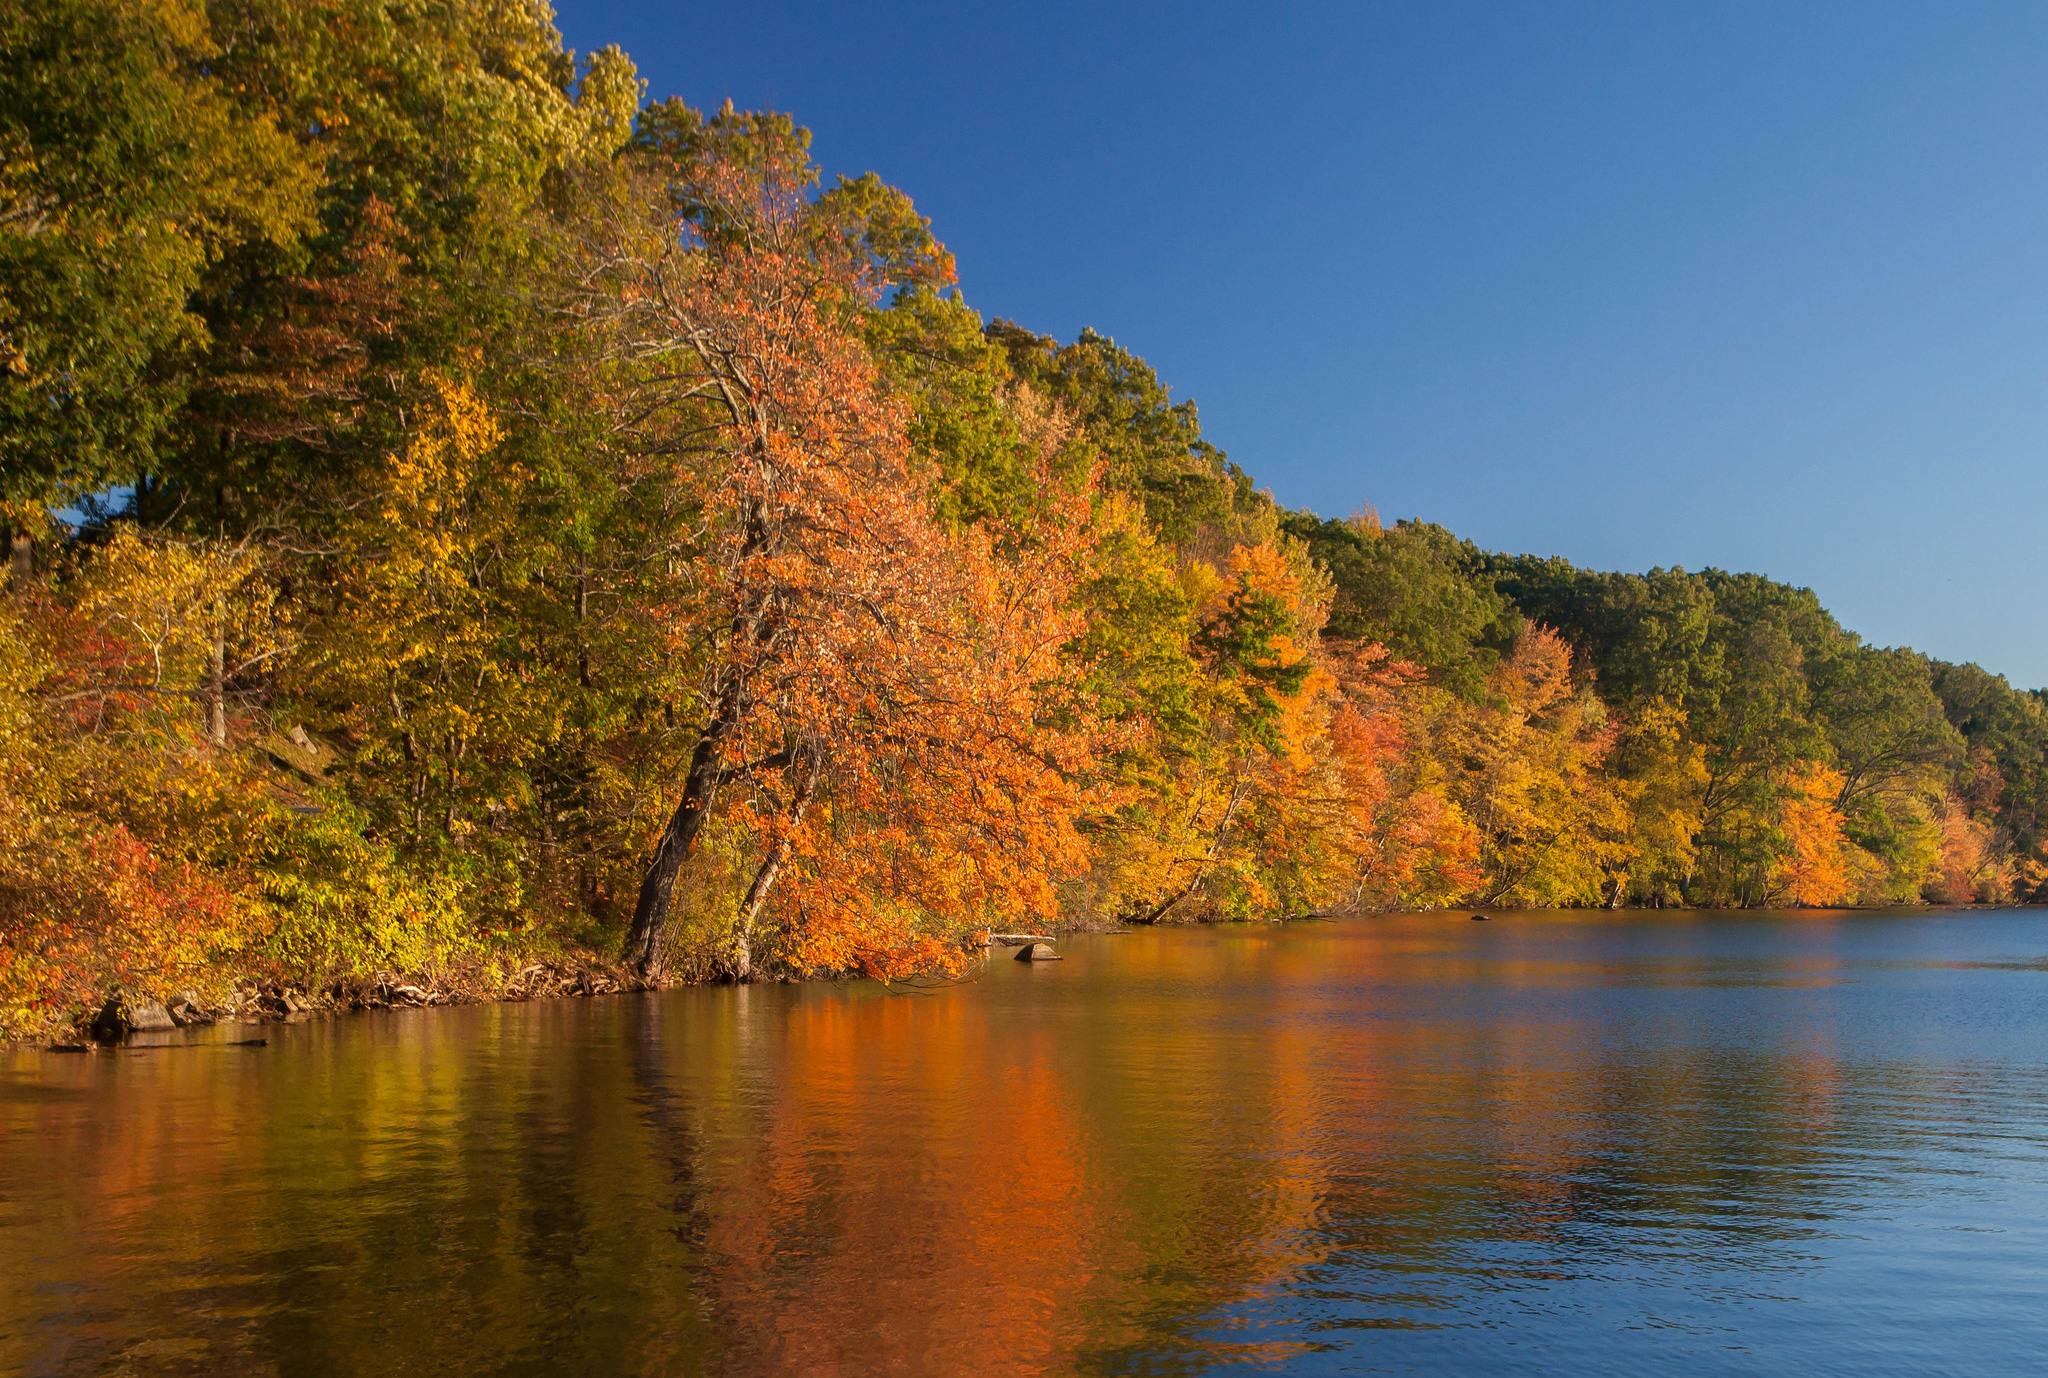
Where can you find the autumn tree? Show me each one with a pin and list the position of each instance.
(1404, 840)
(1229, 802)
(1662, 774)
(1525, 768)
(870, 704)
(128, 836)
(1815, 869)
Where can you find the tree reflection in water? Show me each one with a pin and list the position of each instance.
(1558, 1143)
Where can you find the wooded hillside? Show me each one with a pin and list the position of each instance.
(461, 510)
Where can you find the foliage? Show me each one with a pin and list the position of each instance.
(1412, 589)
(875, 678)
(516, 516)
(127, 169)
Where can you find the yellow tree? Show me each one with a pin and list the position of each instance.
(1525, 769)
(1661, 773)
(1815, 869)
(1231, 799)
(423, 647)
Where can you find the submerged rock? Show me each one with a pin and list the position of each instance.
(1038, 952)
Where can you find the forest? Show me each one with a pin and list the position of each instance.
(460, 510)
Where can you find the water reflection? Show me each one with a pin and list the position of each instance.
(1698, 1144)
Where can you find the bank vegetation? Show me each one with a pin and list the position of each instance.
(463, 514)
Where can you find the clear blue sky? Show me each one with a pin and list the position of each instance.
(1756, 286)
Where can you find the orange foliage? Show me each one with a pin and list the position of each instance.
(101, 911)
(1525, 770)
(1970, 870)
(1408, 842)
(112, 806)
(877, 686)
(1815, 872)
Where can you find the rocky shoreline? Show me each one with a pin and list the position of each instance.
(271, 1002)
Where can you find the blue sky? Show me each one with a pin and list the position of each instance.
(1756, 286)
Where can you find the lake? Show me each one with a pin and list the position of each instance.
(1678, 1143)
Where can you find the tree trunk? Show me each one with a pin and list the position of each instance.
(1160, 910)
(700, 786)
(217, 680)
(582, 618)
(741, 960)
(21, 560)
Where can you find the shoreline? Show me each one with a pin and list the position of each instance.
(256, 1004)
(259, 1003)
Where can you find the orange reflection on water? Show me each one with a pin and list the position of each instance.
(1128, 1161)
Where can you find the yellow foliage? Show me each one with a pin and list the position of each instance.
(1525, 770)
(1662, 774)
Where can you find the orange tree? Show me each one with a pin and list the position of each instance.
(879, 728)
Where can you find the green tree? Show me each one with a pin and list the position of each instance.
(1147, 444)
(129, 167)
(1415, 589)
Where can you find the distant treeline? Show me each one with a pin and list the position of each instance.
(461, 511)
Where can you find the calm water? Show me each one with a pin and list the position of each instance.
(1657, 1144)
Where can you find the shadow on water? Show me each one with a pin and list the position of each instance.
(1579, 1144)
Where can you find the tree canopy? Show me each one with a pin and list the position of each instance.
(463, 511)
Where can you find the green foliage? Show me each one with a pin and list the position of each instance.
(968, 420)
(442, 135)
(343, 905)
(128, 168)
(1415, 589)
(1146, 444)
(1641, 636)
(2007, 730)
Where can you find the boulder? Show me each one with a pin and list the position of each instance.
(111, 1022)
(1037, 952)
(120, 1017)
(146, 1016)
(185, 1011)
